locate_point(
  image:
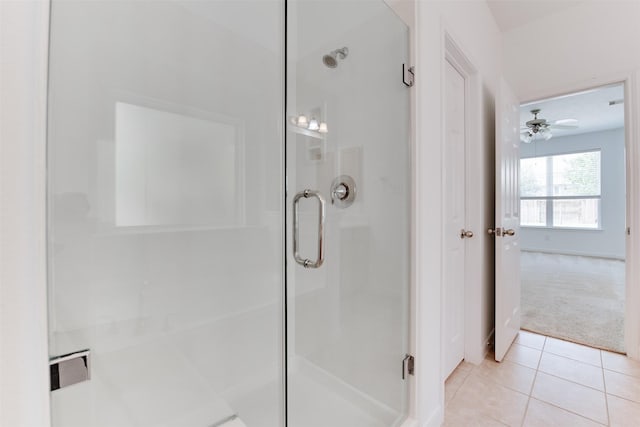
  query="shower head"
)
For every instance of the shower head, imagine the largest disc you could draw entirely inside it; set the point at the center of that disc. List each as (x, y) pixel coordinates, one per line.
(331, 59)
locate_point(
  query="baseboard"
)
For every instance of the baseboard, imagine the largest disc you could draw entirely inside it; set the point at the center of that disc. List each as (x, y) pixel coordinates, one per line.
(574, 253)
(480, 353)
(435, 419)
(410, 422)
(476, 352)
(476, 355)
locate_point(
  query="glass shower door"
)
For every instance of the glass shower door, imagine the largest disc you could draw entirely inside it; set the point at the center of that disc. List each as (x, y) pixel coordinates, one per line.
(165, 220)
(348, 172)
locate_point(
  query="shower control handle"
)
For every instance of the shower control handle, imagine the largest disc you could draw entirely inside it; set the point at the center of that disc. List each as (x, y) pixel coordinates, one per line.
(340, 192)
(307, 263)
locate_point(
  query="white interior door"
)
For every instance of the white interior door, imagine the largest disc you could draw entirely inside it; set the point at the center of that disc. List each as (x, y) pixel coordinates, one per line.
(454, 242)
(507, 232)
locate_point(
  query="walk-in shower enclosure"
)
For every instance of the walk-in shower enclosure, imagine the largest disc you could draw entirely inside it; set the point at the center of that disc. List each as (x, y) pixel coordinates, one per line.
(228, 213)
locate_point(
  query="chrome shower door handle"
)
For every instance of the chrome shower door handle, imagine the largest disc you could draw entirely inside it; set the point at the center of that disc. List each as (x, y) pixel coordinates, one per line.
(307, 263)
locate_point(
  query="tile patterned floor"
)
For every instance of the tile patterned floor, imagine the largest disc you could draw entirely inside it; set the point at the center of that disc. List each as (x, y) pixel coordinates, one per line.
(545, 382)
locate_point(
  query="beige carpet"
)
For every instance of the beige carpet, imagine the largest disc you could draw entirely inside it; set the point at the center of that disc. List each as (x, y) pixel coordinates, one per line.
(580, 299)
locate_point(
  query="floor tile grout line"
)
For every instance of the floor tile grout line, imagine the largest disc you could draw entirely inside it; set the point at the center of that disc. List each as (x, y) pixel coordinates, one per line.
(571, 381)
(526, 409)
(486, 375)
(533, 383)
(606, 397)
(635, 377)
(528, 346)
(626, 399)
(488, 378)
(574, 359)
(520, 363)
(567, 410)
(464, 379)
(492, 379)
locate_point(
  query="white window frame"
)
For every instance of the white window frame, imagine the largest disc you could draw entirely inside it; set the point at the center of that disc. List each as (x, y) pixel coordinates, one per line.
(550, 199)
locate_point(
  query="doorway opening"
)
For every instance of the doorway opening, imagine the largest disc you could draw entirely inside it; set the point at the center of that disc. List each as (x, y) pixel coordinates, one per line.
(573, 217)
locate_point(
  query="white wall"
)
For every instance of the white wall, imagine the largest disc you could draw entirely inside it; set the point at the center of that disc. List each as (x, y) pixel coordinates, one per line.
(609, 241)
(24, 399)
(472, 26)
(581, 44)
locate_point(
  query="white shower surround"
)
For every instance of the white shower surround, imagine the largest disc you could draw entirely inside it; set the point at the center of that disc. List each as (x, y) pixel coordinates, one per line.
(28, 343)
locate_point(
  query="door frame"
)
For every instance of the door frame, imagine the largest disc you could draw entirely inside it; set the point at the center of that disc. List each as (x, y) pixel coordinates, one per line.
(630, 80)
(474, 348)
(24, 367)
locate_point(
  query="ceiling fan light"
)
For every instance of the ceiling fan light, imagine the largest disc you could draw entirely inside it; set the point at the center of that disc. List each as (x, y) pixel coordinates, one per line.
(547, 135)
(526, 138)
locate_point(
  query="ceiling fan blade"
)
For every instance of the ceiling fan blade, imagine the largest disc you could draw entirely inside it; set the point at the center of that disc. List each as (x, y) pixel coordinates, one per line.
(558, 126)
(570, 122)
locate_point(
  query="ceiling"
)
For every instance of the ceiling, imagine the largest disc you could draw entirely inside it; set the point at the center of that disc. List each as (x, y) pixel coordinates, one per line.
(510, 14)
(591, 109)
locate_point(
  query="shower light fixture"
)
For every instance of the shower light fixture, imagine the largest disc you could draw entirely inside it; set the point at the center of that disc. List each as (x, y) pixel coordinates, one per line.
(313, 125)
(302, 121)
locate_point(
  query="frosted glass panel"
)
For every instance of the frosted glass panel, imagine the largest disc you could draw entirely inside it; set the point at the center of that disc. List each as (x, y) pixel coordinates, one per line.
(165, 211)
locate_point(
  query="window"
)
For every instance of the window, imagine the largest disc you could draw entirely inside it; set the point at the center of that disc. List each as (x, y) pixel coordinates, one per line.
(561, 190)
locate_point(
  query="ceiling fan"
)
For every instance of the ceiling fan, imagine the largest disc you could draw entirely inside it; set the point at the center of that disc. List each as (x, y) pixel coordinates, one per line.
(541, 128)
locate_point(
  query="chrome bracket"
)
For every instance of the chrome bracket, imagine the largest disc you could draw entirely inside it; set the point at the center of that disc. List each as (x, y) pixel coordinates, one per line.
(408, 75)
(69, 369)
(408, 366)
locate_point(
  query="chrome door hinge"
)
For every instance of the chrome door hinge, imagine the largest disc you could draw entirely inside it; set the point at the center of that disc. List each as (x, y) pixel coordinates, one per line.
(408, 75)
(408, 366)
(628, 231)
(70, 369)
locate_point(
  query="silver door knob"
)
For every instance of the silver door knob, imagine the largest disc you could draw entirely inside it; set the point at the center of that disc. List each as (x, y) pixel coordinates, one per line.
(510, 232)
(466, 233)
